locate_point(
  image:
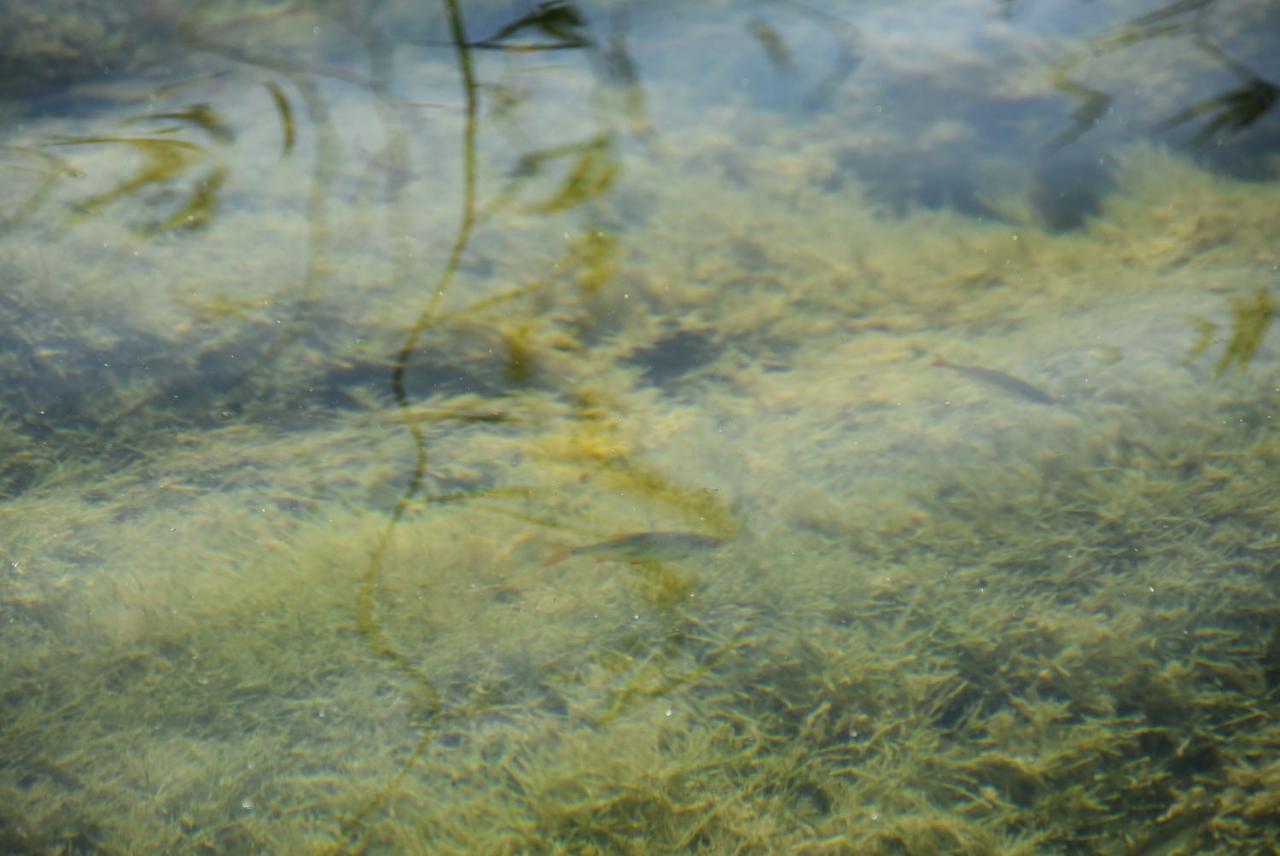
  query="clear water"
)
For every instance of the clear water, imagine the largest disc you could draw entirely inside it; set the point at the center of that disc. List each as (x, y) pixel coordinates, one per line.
(926, 350)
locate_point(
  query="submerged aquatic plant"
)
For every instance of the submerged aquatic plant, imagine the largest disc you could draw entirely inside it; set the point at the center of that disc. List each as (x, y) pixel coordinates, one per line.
(1251, 318)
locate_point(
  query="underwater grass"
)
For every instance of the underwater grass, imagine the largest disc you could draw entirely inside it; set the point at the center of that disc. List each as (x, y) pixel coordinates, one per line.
(966, 689)
(941, 625)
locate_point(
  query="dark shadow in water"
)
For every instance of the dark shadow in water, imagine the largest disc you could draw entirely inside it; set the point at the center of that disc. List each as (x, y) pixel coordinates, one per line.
(675, 355)
(1068, 188)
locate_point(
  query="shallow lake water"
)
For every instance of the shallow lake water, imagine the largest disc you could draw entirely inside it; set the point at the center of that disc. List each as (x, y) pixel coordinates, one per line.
(736, 427)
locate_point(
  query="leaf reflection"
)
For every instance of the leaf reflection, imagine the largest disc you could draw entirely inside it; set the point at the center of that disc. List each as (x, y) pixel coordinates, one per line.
(1229, 112)
(284, 110)
(202, 116)
(51, 172)
(591, 173)
(164, 162)
(557, 20)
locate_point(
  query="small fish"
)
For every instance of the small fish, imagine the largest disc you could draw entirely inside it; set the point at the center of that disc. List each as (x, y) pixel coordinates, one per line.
(388, 165)
(1009, 383)
(772, 42)
(640, 547)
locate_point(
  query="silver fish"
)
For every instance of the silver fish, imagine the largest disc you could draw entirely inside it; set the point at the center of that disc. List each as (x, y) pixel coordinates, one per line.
(640, 547)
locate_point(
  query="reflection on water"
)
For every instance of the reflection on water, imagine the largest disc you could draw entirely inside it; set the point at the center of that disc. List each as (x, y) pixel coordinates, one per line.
(478, 430)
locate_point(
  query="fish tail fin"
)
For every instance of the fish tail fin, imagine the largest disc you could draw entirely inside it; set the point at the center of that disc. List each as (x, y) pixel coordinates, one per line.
(558, 555)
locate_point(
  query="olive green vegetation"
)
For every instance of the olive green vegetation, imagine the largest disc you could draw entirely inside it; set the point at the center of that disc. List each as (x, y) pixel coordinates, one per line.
(1073, 652)
(252, 599)
(1064, 639)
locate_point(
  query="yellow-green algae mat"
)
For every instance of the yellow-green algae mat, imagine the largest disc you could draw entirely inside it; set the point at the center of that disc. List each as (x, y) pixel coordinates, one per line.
(1072, 651)
(944, 618)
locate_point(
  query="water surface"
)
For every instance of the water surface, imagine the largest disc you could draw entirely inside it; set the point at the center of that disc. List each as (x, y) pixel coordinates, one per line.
(344, 345)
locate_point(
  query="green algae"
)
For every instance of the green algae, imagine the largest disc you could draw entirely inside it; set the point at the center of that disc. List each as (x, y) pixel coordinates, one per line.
(271, 621)
(971, 688)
